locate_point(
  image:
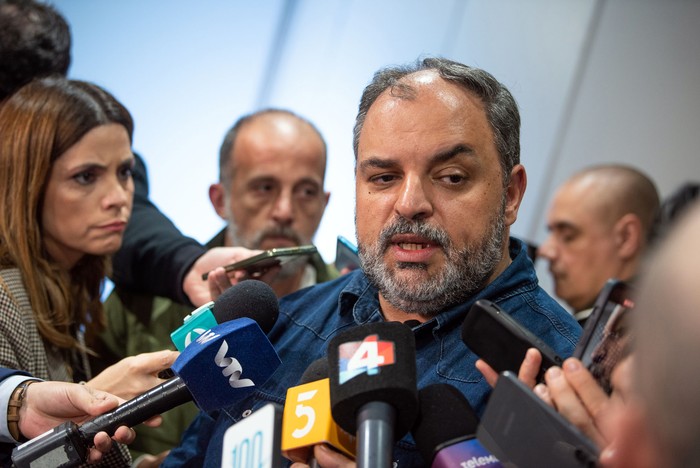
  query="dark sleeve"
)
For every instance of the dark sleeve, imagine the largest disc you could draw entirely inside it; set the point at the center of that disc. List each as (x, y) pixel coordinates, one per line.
(7, 372)
(155, 255)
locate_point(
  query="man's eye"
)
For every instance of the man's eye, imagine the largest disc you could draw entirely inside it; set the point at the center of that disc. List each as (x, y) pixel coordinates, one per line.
(453, 178)
(263, 188)
(126, 172)
(308, 192)
(382, 178)
(568, 237)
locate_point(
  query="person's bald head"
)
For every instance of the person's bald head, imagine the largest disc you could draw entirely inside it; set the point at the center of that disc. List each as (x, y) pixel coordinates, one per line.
(599, 223)
(616, 190)
(272, 167)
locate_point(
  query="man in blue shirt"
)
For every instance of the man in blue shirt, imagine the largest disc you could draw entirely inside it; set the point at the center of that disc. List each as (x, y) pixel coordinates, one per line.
(438, 184)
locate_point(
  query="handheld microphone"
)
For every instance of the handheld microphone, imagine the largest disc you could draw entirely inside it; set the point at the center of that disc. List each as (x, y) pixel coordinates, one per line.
(307, 414)
(219, 368)
(373, 387)
(250, 298)
(254, 440)
(445, 430)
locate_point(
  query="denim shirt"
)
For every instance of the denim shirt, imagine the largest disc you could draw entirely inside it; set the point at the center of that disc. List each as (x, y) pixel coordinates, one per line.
(311, 317)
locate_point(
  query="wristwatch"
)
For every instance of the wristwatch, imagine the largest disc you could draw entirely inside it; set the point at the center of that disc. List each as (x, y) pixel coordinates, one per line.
(13, 407)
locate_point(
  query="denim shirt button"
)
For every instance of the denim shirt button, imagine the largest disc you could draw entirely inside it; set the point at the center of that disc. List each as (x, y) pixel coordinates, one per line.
(247, 413)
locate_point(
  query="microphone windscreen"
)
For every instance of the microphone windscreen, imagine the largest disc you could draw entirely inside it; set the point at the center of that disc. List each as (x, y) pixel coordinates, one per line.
(444, 415)
(226, 363)
(373, 363)
(250, 298)
(317, 370)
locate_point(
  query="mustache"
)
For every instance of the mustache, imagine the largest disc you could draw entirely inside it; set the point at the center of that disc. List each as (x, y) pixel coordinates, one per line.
(277, 231)
(433, 234)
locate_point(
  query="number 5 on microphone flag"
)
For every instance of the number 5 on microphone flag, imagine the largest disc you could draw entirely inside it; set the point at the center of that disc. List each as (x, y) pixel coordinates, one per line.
(307, 419)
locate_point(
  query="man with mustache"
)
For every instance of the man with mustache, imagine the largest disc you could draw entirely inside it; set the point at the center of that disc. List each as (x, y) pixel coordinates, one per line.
(272, 166)
(438, 183)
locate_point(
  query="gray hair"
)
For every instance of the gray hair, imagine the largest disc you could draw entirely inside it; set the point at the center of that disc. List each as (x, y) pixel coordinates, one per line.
(501, 108)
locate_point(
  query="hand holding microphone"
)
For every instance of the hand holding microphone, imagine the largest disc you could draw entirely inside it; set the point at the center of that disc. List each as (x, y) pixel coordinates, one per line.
(47, 404)
(222, 366)
(134, 375)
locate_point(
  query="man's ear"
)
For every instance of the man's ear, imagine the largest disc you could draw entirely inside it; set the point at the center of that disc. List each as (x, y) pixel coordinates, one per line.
(514, 193)
(217, 195)
(628, 236)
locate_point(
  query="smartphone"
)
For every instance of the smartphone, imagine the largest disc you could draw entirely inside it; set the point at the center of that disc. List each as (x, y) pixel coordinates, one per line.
(346, 255)
(606, 339)
(502, 341)
(278, 256)
(522, 430)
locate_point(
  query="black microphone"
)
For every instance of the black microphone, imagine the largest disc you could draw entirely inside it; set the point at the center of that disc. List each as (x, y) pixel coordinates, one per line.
(317, 370)
(209, 371)
(445, 430)
(373, 387)
(235, 302)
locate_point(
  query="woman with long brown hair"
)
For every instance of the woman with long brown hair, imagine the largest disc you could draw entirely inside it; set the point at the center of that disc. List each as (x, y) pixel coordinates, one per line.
(65, 197)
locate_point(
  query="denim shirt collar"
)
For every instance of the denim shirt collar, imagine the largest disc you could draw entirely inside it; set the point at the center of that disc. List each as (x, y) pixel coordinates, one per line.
(360, 298)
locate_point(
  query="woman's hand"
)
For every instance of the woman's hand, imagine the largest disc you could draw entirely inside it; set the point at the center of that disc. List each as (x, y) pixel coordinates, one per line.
(134, 375)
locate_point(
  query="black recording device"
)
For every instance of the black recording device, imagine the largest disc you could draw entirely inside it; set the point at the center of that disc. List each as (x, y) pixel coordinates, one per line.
(501, 341)
(521, 430)
(68, 444)
(606, 339)
(258, 264)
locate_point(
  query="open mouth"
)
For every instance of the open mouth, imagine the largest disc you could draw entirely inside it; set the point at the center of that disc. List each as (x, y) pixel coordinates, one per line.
(412, 246)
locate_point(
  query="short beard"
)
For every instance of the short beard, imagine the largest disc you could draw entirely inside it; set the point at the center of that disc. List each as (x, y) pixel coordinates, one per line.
(466, 270)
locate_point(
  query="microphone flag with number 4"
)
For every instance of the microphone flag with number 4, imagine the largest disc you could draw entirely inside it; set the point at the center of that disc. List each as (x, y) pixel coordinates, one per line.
(373, 363)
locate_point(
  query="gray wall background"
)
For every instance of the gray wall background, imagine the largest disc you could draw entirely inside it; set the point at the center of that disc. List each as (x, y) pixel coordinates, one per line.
(596, 80)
